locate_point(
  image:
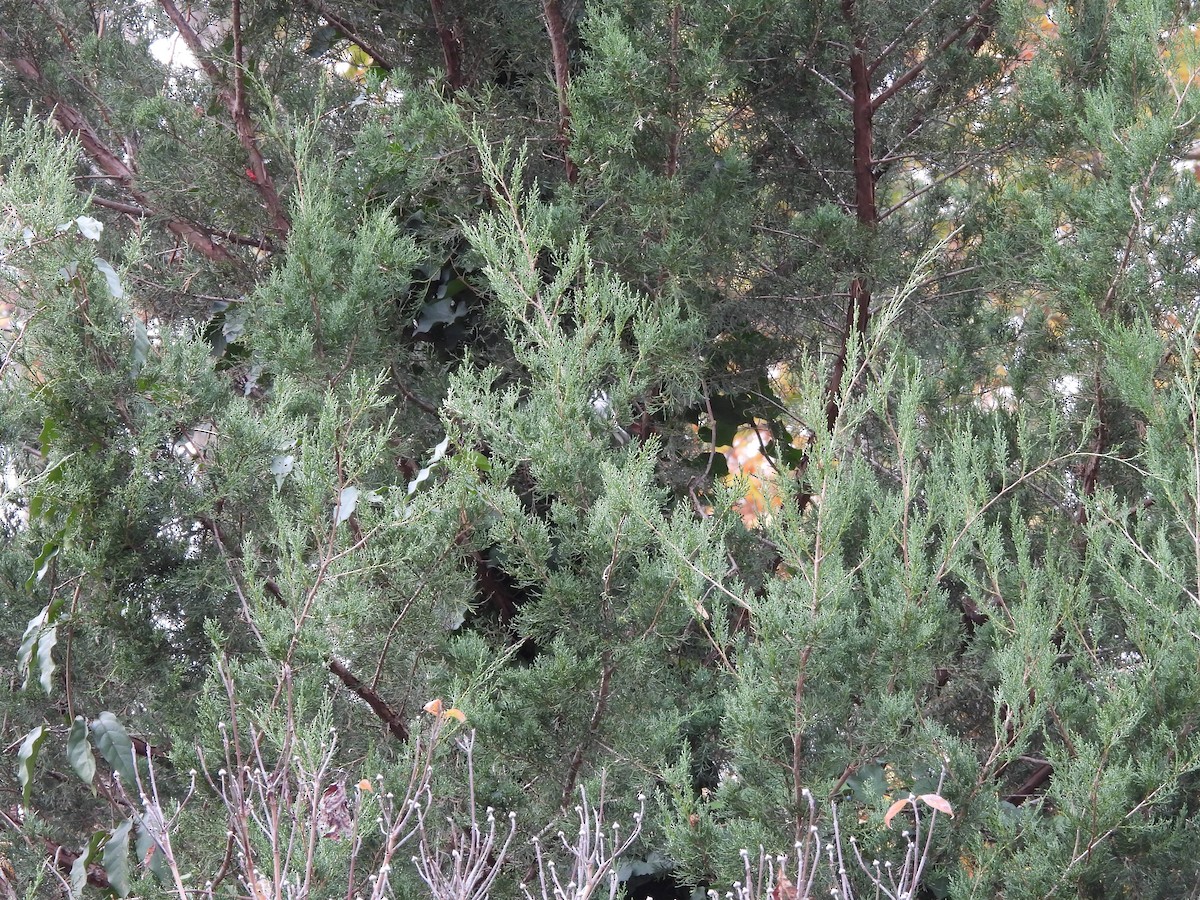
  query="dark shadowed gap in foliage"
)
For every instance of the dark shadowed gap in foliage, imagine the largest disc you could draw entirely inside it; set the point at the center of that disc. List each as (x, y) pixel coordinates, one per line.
(661, 887)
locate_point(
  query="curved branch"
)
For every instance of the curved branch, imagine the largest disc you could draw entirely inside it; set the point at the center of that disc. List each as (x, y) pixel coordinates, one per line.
(380, 57)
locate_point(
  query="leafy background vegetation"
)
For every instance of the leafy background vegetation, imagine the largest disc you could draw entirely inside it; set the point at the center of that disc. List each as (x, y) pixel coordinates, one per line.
(769, 428)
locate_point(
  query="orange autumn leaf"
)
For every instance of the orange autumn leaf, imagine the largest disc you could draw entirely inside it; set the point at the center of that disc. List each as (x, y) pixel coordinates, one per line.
(435, 707)
(938, 802)
(893, 809)
(365, 785)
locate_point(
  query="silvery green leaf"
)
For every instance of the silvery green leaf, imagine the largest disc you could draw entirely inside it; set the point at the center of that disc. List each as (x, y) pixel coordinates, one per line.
(111, 276)
(90, 228)
(438, 452)
(347, 501)
(27, 235)
(27, 759)
(281, 468)
(79, 751)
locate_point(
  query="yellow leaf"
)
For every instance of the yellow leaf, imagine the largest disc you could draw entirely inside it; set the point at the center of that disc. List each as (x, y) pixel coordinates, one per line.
(435, 707)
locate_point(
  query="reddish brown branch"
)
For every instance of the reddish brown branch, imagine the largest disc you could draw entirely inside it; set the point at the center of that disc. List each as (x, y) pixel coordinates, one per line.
(557, 29)
(858, 305)
(1039, 777)
(71, 121)
(233, 96)
(371, 697)
(142, 212)
(903, 80)
(451, 46)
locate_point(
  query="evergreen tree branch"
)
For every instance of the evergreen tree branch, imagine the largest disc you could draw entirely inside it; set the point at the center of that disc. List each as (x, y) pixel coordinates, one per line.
(903, 80)
(903, 36)
(371, 697)
(235, 102)
(673, 90)
(602, 695)
(110, 163)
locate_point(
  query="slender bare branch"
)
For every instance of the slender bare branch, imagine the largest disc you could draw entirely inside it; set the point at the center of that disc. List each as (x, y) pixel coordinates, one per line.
(902, 81)
(379, 56)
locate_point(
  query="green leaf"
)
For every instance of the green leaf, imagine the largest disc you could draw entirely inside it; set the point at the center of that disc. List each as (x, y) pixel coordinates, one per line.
(42, 563)
(116, 858)
(85, 858)
(111, 278)
(50, 431)
(40, 638)
(27, 760)
(150, 827)
(45, 657)
(29, 642)
(112, 740)
(141, 347)
(79, 751)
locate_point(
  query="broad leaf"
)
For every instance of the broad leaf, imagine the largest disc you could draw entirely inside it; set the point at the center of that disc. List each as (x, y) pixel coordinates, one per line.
(893, 810)
(90, 228)
(29, 644)
(116, 858)
(42, 563)
(111, 277)
(112, 740)
(79, 751)
(141, 347)
(27, 760)
(938, 802)
(38, 641)
(45, 657)
(86, 857)
(347, 502)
